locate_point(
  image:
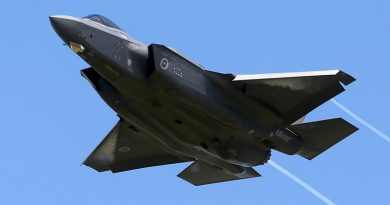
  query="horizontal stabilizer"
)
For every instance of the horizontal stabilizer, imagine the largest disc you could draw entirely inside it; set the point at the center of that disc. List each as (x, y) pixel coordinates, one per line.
(321, 135)
(201, 173)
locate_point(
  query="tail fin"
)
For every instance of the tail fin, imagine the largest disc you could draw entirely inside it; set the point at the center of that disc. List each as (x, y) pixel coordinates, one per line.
(321, 135)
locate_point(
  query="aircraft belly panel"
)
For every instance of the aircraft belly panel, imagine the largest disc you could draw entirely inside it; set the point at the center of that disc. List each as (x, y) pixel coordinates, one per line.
(201, 132)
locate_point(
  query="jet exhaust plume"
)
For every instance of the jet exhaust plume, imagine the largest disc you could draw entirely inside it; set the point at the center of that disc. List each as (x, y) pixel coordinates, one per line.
(359, 119)
(299, 181)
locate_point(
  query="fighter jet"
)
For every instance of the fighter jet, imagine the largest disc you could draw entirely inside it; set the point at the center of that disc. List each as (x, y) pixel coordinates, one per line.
(172, 110)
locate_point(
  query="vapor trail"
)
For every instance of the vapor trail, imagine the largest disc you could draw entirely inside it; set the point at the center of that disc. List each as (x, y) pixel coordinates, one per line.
(301, 182)
(365, 123)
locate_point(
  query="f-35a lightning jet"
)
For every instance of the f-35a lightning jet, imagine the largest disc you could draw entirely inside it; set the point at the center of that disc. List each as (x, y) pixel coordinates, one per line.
(172, 110)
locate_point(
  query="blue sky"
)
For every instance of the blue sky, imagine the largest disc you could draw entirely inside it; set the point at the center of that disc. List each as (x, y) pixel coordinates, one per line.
(51, 118)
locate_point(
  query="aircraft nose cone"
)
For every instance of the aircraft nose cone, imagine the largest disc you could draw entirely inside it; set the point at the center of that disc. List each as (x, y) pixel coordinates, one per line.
(59, 23)
(54, 20)
(65, 26)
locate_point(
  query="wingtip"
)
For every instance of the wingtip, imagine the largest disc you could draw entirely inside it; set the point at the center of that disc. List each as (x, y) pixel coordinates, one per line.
(96, 167)
(345, 78)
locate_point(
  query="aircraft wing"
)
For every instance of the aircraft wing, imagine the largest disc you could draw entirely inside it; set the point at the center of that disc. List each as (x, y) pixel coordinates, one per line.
(293, 95)
(126, 148)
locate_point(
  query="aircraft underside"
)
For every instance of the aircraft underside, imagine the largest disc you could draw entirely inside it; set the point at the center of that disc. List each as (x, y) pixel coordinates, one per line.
(173, 110)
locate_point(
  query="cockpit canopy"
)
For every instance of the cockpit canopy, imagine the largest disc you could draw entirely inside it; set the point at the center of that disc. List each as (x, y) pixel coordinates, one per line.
(103, 20)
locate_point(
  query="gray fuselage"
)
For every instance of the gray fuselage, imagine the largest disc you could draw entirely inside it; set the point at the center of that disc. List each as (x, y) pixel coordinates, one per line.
(187, 110)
